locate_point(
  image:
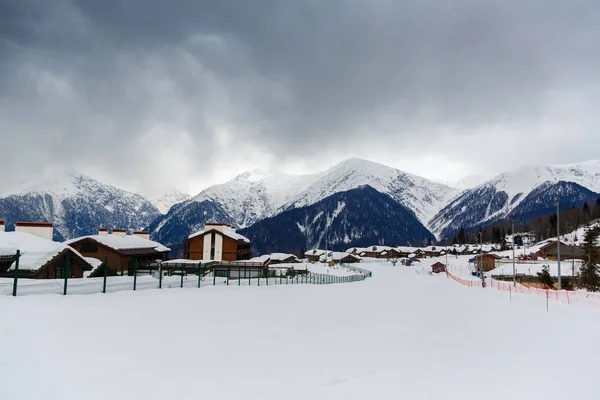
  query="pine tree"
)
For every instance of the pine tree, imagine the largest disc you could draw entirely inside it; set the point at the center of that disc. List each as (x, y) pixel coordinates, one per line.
(428, 241)
(545, 278)
(462, 237)
(589, 273)
(586, 212)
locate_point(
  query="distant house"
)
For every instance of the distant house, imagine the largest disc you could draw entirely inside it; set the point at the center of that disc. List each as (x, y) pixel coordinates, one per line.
(314, 255)
(120, 249)
(433, 251)
(438, 267)
(282, 258)
(550, 250)
(217, 242)
(488, 261)
(341, 258)
(40, 258)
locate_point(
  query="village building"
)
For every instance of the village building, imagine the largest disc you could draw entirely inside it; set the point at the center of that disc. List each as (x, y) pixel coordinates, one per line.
(283, 258)
(335, 257)
(314, 255)
(217, 242)
(2, 226)
(487, 261)
(120, 250)
(39, 257)
(438, 267)
(550, 250)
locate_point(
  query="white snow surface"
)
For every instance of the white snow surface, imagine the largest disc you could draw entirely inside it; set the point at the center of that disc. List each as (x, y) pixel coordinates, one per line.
(166, 200)
(230, 234)
(398, 334)
(126, 242)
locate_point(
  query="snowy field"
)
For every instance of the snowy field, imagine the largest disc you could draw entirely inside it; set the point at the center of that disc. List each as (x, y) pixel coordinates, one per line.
(398, 335)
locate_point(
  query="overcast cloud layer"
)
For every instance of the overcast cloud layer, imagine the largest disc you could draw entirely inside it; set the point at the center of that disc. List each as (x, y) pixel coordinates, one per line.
(150, 94)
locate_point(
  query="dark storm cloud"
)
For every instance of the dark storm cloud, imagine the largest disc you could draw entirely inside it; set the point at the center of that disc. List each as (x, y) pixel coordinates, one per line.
(117, 85)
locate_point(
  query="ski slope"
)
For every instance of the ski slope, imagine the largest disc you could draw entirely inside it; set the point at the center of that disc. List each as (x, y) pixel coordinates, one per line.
(396, 335)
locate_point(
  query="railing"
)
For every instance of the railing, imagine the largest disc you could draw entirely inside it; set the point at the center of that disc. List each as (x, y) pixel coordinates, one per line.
(185, 280)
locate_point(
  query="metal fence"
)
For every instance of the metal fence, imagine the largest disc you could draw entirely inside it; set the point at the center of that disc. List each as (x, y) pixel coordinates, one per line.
(190, 276)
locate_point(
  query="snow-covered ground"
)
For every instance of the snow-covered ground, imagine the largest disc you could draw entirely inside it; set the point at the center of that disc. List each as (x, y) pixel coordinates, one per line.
(396, 335)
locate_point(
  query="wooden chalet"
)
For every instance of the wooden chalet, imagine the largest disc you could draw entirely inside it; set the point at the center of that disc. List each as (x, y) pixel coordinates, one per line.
(567, 252)
(314, 255)
(39, 258)
(217, 242)
(438, 267)
(119, 250)
(488, 261)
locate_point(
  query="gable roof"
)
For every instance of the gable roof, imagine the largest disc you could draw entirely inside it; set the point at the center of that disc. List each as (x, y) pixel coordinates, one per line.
(35, 251)
(230, 234)
(120, 243)
(281, 256)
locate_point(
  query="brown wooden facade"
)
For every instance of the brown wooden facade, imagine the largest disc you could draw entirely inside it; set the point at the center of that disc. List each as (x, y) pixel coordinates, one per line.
(119, 261)
(232, 250)
(438, 267)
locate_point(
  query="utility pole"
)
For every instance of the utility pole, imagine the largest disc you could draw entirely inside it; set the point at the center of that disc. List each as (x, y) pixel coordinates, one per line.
(513, 249)
(481, 259)
(558, 239)
(446, 257)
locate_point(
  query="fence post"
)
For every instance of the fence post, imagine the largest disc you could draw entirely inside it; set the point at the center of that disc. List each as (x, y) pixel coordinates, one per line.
(267, 272)
(280, 278)
(546, 300)
(214, 276)
(15, 282)
(67, 265)
(182, 272)
(135, 266)
(249, 281)
(239, 276)
(228, 273)
(160, 273)
(200, 274)
(105, 271)
(259, 279)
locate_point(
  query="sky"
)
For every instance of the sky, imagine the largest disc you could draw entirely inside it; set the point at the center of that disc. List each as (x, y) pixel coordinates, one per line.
(150, 95)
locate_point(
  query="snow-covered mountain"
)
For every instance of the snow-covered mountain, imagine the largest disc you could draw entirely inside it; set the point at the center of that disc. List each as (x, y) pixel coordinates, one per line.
(359, 217)
(165, 201)
(255, 195)
(422, 196)
(467, 182)
(76, 204)
(526, 191)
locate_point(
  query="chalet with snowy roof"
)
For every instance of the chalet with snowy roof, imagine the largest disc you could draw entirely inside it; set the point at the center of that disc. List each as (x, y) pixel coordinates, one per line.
(550, 250)
(40, 258)
(335, 257)
(438, 267)
(314, 255)
(119, 249)
(2, 226)
(217, 242)
(283, 258)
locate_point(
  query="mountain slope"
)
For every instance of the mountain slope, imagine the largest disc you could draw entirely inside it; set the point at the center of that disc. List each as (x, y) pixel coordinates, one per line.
(358, 217)
(422, 196)
(528, 190)
(77, 205)
(168, 199)
(255, 195)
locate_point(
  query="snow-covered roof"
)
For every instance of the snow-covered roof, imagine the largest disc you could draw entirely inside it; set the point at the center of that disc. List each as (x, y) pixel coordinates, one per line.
(314, 252)
(127, 242)
(35, 251)
(337, 256)
(281, 256)
(407, 249)
(230, 234)
(94, 262)
(261, 259)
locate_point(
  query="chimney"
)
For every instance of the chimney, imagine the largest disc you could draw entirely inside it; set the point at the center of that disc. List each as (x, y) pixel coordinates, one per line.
(142, 234)
(40, 229)
(1, 225)
(103, 232)
(119, 232)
